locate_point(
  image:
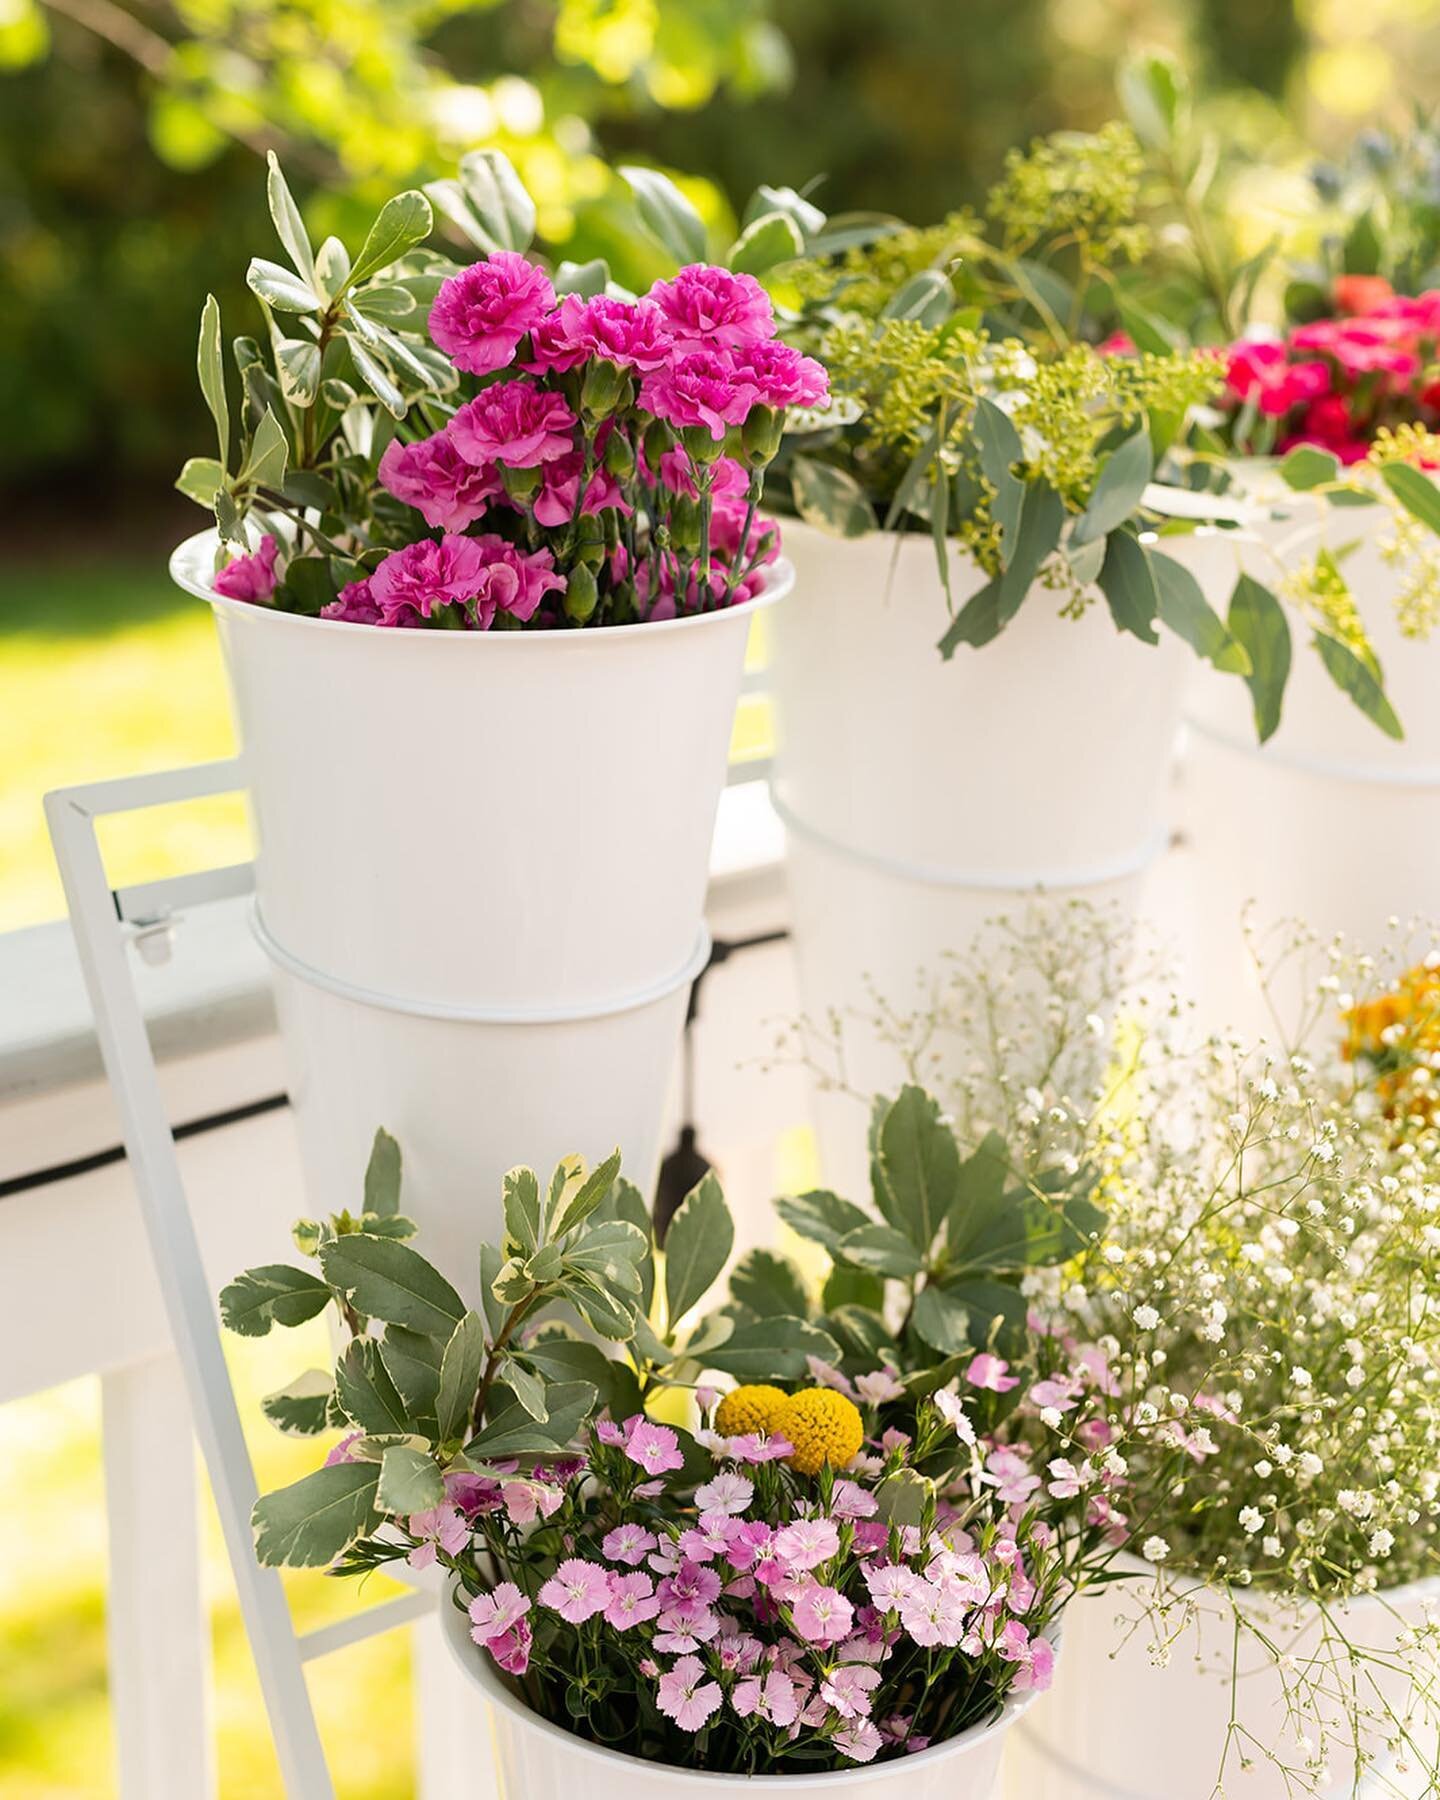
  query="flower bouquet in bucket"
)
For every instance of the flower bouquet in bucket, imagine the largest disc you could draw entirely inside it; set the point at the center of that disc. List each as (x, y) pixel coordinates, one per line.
(466, 499)
(781, 1537)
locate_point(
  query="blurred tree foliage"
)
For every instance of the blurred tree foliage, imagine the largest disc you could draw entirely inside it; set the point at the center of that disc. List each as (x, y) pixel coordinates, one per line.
(130, 184)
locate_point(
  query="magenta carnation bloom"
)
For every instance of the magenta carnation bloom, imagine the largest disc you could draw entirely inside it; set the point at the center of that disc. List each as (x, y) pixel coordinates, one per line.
(633, 334)
(780, 376)
(250, 577)
(516, 423)
(481, 314)
(432, 476)
(483, 575)
(708, 307)
(355, 605)
(701, 388)
(555, 503)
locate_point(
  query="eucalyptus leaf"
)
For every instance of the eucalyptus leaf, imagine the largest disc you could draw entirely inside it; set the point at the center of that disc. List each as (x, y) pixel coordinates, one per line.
(1183, 608)
(1352, 677)
(1123, 480)
(1257, 622)
(1415, 491)
(1307, 467)
(1128, 584)
(830, 499)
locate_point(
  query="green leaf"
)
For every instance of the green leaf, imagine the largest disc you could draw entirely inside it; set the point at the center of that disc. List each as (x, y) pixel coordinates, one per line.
(666, 214)
(697, 1247)
(460, 1376)
(412, 1359)
(822, 1217)
(289, 226)
(861, 1331)
(1150, 330)
(401, 224)
(499, 199)
(210, 363)
(385, 1279)
(301, 1409)
(410, 1481)
(521, 1189)
(588, 1196)
(297, 364)
(1000, 449)
(308, 1524)
(765, 243)
(273, 1294)
(979, 1192)
(1185, 610)
(1117, 493)
(388, 304)
(1306, 467)
(281, 287)
(602, 1310)
(1128, 584)
(376, 377)
(941, 1321)
(364, 1388)
(512, 1431)
(985, 615)
(1154, 96)
(1257, 622)
(382, 1176)
(611, 1253)
(804, 214)
(586, 279)
(926, 298)
(882, 1250)
(772, 1350)
(200, 478)
(624, 1202)
(919, 1169)
(527, 1388)
(268, 454)
(829, 498)
(332, 268)
(768, 1283)
(1352, 677)
(998, 1314)
(1415, 491)
(559, 1358)
(846, 1288)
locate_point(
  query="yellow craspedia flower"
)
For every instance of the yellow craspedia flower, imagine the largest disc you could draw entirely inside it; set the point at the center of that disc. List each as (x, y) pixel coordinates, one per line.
(748, 1409)
(823, 1426)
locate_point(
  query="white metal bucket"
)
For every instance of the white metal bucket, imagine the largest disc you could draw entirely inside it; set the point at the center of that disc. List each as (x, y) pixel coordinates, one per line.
(481, 870)
(1115, 1726)
(1330, 821)
(536, 1760)
(924, 797)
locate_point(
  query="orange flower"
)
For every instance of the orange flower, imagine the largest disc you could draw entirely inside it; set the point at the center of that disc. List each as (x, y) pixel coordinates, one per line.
(1356, 295)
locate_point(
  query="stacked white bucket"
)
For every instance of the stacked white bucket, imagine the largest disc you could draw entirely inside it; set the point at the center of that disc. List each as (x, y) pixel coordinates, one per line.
(481, 871)
(1330, 820)
(924, 797)
(1121, 1725)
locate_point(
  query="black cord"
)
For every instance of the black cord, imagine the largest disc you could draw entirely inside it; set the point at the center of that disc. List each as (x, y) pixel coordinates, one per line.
(102, 1159)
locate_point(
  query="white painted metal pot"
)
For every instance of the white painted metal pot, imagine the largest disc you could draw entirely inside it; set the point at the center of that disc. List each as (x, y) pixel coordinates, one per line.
(1117, 1726)
(536, 1760)
(923, 797)
(1330, 821)
(481, 872)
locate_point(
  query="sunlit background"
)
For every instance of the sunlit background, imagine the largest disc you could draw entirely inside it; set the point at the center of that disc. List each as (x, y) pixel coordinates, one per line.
(131, 133)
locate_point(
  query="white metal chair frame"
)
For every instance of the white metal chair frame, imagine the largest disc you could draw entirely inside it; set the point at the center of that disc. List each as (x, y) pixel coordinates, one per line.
(106, 922)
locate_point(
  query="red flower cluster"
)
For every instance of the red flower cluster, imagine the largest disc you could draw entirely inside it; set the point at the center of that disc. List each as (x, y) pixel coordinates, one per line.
(1335, 382)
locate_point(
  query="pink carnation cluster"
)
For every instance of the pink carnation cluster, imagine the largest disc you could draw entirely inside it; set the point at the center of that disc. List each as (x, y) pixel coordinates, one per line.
(1336, 381)
(467, 579)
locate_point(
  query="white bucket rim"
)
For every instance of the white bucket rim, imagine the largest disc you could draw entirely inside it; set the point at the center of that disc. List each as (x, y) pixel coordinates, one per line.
(475, 1663)
(191, 559)
(460, 1013)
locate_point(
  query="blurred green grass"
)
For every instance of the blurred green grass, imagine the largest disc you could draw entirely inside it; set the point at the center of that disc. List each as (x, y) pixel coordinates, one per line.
(55, 1731)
